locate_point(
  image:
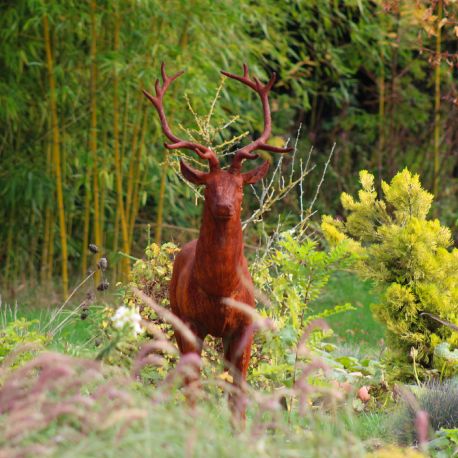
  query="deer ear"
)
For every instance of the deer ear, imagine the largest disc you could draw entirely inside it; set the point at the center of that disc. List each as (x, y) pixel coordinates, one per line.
(193, 175)
(253, 176)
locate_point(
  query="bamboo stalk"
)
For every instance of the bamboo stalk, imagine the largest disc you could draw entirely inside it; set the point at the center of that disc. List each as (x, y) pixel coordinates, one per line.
(160, 204)
(137, 181)
(50, 269)
(56, 155)
(44, 252)
(120, 214)
(87, 217)
(124, 128)
(9, 247)
(130, 177)
(93, 134)
(115, 248)
(136, 205)
(437, 103)
(103, 189)
(32, 251)
(63, 154)
(124, 268)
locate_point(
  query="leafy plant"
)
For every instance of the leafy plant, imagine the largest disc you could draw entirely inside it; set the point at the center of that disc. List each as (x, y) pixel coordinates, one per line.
(446, 360)
(444, 444)
(292, 275)
(21, 333)
(150, 275)
(409, 255)
(349, 367)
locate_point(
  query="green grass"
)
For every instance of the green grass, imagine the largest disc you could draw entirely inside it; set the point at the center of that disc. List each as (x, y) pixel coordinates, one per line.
(357, 327)
(74, 334)
(207, 433)
(370, 426)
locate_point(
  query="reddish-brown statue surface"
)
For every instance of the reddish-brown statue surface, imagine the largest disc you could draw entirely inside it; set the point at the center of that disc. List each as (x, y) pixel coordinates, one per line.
(213, 267)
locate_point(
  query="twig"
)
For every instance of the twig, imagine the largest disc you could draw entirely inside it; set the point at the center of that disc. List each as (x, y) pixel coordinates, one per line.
(322, 178)
(53, 317)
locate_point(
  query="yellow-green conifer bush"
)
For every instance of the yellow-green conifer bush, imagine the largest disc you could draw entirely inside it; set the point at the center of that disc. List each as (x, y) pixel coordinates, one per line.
(414, 259)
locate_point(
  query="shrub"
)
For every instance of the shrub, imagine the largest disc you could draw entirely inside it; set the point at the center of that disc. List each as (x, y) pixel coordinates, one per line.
(150, 275)
(409, 255)
(293, 274)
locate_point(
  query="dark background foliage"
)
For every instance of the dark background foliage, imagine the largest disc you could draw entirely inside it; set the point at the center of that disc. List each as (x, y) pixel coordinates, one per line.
(376, 78)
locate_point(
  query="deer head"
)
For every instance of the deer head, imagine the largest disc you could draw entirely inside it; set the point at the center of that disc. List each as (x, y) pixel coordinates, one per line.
(223, 188)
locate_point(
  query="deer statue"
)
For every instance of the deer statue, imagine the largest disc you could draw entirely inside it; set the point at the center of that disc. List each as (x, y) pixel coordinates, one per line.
(213, 268)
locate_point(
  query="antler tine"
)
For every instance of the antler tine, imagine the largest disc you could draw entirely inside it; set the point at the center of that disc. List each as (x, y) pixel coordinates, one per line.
(202, 151)
(245, 70)
(260, 144)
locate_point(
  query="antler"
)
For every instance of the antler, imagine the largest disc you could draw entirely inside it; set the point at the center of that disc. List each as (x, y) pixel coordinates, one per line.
(202, 151)
(261, 143)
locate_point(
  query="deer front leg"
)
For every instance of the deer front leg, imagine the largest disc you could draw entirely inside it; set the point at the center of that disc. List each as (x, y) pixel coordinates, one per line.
(237, 356)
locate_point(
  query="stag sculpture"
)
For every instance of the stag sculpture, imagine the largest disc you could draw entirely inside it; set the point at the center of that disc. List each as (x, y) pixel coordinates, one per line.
(213, 268)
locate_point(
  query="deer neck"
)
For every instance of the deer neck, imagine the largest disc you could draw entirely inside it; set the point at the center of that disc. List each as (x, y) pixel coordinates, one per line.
(219, 254)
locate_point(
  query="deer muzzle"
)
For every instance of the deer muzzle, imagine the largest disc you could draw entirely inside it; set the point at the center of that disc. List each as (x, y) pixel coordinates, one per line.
(224, 211)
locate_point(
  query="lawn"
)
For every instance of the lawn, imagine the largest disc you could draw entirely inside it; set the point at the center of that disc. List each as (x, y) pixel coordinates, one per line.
(357, 327)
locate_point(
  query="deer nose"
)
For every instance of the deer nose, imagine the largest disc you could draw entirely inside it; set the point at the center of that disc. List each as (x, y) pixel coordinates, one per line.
(224, 209)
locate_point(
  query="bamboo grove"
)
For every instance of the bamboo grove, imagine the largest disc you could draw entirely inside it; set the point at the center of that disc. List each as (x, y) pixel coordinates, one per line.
(81, 159)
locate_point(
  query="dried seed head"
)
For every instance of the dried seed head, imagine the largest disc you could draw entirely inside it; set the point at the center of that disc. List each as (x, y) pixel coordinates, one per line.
(103, 286)
(103, 263)
(93, 248)
(90, 297)
(84, 315)
(97, 342)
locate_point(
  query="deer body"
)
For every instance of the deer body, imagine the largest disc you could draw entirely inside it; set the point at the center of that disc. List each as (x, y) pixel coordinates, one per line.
(213, 268)
(200, 282)
(196, 303)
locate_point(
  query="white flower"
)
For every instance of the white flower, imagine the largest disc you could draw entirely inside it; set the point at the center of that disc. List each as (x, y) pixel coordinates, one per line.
(127, 317)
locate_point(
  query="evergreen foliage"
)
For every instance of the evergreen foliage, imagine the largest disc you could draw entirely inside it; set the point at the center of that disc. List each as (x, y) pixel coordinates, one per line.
(412, 257)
